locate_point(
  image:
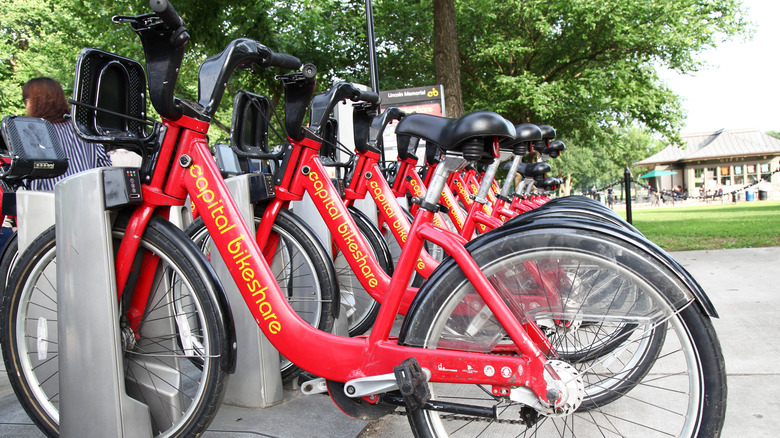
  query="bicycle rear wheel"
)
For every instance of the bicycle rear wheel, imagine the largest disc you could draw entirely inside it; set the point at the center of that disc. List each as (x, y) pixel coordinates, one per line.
(631, 388)
(179, 335)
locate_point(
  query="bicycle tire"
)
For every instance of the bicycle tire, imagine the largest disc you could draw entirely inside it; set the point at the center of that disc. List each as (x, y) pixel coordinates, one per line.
(8, 260)
(361, 308)
(690, 361)
(33, 372)
(299, 257)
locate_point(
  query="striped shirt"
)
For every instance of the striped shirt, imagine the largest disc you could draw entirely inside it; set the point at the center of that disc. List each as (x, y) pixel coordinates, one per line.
(81, 156)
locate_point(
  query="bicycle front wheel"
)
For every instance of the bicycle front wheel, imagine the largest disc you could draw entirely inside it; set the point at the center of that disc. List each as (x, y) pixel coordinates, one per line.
(648, 356)
(178, 336)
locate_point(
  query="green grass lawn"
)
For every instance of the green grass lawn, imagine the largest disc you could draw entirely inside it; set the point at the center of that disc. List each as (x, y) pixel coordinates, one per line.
(716, 226)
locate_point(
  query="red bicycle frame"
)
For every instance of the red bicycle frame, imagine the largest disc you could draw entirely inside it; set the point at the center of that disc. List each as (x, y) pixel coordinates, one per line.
(194, 173)
(368, 179)
(307, 174)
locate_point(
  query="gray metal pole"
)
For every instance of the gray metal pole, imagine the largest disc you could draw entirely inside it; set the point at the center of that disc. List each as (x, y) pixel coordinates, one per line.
(627, 185)
(372, 65)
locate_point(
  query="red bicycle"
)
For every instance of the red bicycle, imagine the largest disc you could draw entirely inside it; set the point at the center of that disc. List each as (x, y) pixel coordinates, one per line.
(464, 338)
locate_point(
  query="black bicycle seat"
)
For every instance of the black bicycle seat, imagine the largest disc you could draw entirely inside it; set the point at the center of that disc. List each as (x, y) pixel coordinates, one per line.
(470, 134)
(524, 133)
(533, 170)
(548, 134)
(555, 148)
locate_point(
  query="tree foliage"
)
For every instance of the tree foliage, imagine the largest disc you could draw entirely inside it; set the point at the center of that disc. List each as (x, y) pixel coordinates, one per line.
(587, 68)
(600, 165)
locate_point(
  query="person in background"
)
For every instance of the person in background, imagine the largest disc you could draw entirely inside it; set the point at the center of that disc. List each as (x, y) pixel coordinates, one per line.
(44, 98)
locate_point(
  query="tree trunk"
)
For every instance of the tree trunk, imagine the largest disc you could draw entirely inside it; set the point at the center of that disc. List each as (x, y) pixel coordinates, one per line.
(446, 57)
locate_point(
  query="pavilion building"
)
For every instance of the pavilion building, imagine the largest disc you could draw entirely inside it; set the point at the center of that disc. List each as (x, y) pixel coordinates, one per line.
(727, 160)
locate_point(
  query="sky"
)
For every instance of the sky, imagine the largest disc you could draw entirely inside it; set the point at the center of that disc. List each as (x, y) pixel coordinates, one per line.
(740, 85)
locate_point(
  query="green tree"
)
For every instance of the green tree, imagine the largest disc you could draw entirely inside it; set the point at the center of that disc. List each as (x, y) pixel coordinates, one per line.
(588, 165)
(583, 65)
(578, 65)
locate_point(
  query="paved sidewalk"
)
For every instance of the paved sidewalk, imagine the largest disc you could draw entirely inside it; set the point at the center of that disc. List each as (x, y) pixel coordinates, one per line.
(742, 283)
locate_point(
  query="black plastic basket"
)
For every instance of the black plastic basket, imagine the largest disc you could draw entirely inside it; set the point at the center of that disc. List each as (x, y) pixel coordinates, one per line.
(249, 127)
(109, 99)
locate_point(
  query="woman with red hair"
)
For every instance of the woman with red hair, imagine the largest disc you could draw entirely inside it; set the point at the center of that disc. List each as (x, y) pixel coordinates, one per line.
(44, 98)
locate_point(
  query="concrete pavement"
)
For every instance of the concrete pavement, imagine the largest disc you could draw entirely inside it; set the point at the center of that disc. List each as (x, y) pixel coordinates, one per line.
(742, 283)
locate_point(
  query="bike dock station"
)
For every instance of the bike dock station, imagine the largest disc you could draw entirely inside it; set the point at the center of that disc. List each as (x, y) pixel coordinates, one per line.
(35, 213)
(90, 347)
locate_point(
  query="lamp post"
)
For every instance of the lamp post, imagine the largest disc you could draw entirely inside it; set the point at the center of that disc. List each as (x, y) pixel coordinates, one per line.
(627, 185)
(372, 66)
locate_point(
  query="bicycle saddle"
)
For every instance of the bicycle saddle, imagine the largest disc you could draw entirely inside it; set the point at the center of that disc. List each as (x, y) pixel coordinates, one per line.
(470, 135)
(555, 148)
(533, 170)
(548, 133)
(524, 133)
(550, 183)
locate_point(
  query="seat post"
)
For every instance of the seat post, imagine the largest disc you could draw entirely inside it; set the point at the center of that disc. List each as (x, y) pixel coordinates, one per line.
(510, 176)
(487, 182)
(450, 163)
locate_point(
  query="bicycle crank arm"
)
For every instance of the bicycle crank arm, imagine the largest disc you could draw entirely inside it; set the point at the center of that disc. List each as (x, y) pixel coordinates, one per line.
(451, 408)
(314, 386)
(371, 385)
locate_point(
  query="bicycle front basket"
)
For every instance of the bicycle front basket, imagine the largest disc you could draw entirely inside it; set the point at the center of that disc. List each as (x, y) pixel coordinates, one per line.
(249, 127)
(109, 99)
(34, 149)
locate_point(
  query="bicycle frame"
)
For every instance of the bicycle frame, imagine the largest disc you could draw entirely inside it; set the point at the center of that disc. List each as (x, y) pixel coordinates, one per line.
(308, 175)
(194, 173)
(305, 173)
(368, 179)
(408, 182)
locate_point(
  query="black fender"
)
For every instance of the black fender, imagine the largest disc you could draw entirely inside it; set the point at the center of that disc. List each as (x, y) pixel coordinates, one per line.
(213, 286)
(623, 234)
(574, 224)
(583, 211)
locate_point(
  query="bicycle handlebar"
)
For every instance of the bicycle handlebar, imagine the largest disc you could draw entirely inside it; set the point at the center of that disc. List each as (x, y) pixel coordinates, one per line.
(216, 70)
(366, 96)
(167, 13)
(324, 103)
(164, 41)
(283, 60)
(164, 9)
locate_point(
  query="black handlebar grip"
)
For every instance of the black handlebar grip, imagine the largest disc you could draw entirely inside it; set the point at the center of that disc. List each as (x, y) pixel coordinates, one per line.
(368, 96)
(167, 13)
(285, 61)
(309, 71)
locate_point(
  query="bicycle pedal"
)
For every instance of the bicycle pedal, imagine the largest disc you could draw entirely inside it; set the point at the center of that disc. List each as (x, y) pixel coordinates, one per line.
(412, 384)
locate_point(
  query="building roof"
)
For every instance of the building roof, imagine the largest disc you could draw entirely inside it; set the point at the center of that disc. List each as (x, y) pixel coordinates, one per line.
(718, 144)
